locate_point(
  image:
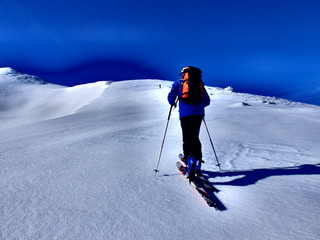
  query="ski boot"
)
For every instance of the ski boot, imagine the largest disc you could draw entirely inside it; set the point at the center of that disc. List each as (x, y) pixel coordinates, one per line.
(197, 171)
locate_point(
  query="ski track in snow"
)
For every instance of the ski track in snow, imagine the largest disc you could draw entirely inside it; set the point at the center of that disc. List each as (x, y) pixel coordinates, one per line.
(87, 174)
(265, 154)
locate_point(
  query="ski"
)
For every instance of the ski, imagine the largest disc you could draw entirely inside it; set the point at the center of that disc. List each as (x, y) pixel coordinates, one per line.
(199, 178)
(199, 186)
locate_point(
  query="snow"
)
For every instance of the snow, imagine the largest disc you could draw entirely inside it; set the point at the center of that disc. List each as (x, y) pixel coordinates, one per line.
(77, 163)
(5, 70)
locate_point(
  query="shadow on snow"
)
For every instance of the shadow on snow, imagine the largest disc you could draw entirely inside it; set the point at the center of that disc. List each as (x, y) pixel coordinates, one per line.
(249, 177)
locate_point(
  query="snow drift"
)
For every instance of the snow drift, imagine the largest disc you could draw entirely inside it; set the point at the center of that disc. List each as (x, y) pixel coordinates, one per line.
(25, 98)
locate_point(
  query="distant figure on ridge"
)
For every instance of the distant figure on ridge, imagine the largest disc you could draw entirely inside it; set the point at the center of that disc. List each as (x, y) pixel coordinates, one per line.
(193, 98)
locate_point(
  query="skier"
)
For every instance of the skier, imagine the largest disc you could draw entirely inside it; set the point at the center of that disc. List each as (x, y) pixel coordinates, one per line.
(193, 98)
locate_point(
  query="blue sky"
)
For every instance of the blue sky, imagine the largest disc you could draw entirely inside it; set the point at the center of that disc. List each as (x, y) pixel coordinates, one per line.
(264, 47)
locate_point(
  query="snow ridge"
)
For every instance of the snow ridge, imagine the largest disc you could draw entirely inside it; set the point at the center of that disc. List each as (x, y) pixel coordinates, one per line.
(25, 98)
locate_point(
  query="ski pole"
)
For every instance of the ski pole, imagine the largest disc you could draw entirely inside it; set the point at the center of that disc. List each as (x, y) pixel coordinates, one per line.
(218, 164)
(165, 133)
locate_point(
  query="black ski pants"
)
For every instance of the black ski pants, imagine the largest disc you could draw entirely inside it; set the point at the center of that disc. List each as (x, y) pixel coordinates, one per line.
(190, 135)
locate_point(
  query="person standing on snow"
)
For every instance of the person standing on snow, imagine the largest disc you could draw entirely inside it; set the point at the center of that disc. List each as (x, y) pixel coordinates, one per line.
(193, 98)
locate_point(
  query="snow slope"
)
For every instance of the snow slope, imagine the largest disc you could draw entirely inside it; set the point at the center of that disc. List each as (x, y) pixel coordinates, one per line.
(77, 163)
(25, 98)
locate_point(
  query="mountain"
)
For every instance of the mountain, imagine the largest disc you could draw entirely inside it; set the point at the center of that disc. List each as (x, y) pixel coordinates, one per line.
(87, 172)
(10, 75)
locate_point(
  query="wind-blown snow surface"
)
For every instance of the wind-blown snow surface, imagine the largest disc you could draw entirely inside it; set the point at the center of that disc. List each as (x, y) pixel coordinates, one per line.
(25, 98)
(77, 163)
